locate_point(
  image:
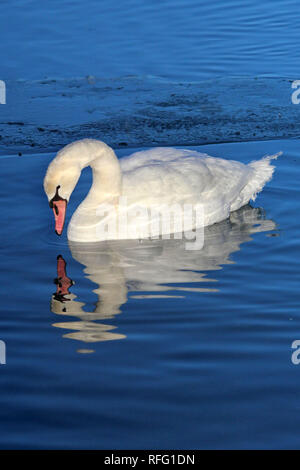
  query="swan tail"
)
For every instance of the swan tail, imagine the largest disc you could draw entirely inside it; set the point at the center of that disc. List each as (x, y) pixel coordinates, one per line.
(263, 172)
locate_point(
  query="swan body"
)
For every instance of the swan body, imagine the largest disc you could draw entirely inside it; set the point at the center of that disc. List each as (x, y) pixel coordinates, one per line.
(148, 180)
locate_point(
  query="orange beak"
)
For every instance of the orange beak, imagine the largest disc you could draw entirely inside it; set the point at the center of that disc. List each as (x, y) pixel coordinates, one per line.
(59, 210)
(59, 206)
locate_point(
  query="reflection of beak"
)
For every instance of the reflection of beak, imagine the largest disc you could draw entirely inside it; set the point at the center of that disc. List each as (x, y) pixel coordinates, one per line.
(59, 210)
(63, 282)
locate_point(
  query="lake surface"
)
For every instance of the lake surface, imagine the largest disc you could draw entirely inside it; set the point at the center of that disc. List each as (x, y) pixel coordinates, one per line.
(144, 344)
(176, 40)
(153, 346)
(144, 73)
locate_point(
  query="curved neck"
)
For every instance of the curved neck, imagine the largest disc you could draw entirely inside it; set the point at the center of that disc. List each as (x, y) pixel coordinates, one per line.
(107, 176)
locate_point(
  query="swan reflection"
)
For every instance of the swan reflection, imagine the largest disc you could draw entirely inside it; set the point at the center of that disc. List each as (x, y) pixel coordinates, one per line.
(147, 269)
(63, 303)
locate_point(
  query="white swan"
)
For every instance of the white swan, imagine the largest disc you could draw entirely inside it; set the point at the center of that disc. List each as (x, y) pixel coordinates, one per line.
(147, 179)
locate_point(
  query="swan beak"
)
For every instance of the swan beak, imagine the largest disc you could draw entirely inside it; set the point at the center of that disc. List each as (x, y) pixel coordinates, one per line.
(59, 210)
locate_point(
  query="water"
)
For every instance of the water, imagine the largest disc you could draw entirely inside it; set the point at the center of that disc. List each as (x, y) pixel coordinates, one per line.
(156, 347)
(144, 73)
(151, 346)
(177, 40)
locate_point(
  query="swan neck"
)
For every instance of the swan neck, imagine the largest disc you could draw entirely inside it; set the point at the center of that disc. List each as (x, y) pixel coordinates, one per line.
(107, 177)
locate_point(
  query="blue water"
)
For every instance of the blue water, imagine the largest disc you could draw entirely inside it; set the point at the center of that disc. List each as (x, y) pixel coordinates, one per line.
(156, 347)
(151, 346)
(178, 40)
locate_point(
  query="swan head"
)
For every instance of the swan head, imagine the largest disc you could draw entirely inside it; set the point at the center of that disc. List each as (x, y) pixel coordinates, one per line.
(59, 183)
